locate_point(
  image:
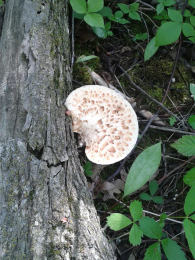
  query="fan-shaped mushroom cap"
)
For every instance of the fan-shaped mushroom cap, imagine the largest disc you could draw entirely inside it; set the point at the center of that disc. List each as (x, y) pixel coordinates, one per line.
(106, 122)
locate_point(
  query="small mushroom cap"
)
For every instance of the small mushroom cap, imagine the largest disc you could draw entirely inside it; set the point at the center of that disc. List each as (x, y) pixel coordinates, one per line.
(106, 122)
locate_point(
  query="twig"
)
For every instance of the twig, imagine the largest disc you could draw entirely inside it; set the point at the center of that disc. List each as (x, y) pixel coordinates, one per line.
(157, 215)
(174, 170)
(174, 130)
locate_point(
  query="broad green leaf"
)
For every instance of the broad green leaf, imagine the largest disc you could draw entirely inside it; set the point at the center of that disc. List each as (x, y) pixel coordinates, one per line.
(191, 121)
(106, 11)
(122, 21)
(79, 6)
(189, 204)
(151, 49)
(1, 2)
(191, 3)
(175, 15)
(169, 2)
(136, 210)
(172, 120)
(185, 145)
(188, 30)
(135, 235)
(150, 227)
(134, 7)
(168, 33)
(192, 90)
(189, 177)
(189, 229)
(159, 8)
(100, 32)
(153, 187)
(142, 169)
(187, 13)
(94, 20)
(192, 20)
(84, 58)
(158, 199)
(145, 196)
(172, 250)
(134, 15)
(153, 252)
(124, 8)
(94, 6)
(117, 221)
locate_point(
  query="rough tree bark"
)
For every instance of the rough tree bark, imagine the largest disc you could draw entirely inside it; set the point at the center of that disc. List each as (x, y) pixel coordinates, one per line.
(41, 179)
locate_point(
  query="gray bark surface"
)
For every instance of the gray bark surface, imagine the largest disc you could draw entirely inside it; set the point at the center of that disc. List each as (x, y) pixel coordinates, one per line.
(41, 179)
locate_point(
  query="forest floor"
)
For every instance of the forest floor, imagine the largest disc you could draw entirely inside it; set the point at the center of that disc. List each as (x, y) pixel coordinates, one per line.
(120, 62)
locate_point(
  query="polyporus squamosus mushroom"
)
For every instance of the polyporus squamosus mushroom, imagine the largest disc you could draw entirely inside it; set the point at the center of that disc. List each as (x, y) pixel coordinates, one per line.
(106, 122)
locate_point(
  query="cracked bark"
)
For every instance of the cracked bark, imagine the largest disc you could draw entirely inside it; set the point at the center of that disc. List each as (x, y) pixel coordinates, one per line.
(41, 180)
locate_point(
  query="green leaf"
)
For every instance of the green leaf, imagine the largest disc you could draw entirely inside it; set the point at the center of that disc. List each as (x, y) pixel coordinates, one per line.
(169, 2)
(189, 229)
(191, 3)
(106, 11)
(79, 6)
(159, 8)
(172, 120)
(151, 49)
(117, 221)
(1, 2)
(100, 32)
(88, 165)
(84, 58)
(168, 33)
(153, 187)
(189, 204)
(135, 235)
(192, 217)
(192, 39)
(134, 7)
(172, 250)
(142, 169)
(163, 216)
(94, 6)
(189, 177)
(192, 90)
(94, 20)
(185, 145)
(141, 36)
(118, 14)
(191, 121)
(150, 227)
(145, 196)
(158, 199)
(175, 15)
(153, 252)
(188, 30)
(136, 210)
(192, 20)
(124, 8)
(187, 13)
(134, 15)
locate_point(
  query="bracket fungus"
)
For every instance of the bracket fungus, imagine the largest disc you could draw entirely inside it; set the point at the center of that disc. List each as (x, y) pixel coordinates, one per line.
(106, 122)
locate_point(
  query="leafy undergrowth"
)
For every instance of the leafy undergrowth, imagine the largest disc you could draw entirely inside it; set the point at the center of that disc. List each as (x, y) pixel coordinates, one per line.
(149, 206)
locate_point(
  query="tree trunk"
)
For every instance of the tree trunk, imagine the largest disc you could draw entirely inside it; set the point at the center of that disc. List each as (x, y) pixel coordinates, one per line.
(46, 210)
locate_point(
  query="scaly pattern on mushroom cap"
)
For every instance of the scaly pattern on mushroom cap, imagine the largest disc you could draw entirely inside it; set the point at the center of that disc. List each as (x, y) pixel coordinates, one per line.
(106, 122)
